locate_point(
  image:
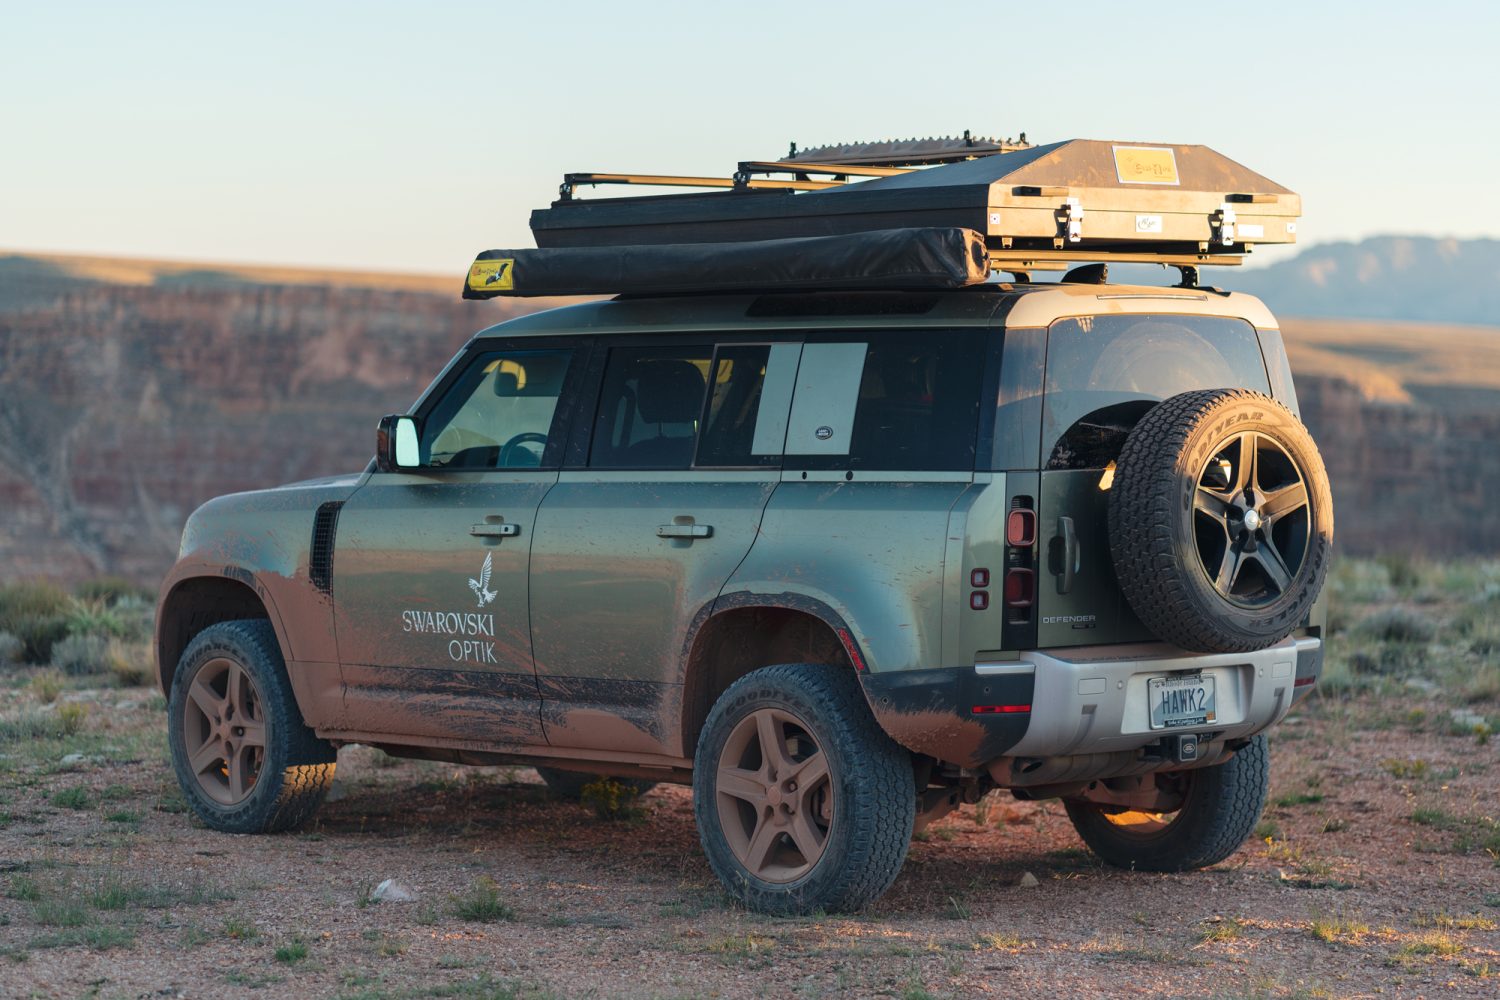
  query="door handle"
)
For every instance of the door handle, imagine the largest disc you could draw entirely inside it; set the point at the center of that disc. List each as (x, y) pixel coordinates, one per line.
(501, 530)
(1072, 558)
(684, 531)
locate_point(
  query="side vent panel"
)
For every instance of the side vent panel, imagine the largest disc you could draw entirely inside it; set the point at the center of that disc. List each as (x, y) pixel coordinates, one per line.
(320, 557)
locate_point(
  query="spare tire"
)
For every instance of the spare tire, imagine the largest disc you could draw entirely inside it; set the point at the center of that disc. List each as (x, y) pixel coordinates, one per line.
(1220, 521)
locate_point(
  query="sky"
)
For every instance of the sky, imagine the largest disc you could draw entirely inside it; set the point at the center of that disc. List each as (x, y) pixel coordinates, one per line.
(408, 136)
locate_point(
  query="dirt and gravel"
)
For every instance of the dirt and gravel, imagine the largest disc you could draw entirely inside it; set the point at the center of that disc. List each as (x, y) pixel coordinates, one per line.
(1376, 872)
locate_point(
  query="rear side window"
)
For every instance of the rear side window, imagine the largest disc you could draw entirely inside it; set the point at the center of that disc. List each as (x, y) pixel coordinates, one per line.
(650, 407)
(1104, 372)
(731, 426)
(906, 401)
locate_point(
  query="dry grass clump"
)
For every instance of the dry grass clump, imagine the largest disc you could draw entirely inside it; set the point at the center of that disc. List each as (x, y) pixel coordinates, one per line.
(1339, 929)
(481, 903)
(1399, 624)
(103, 629)
(36, 615)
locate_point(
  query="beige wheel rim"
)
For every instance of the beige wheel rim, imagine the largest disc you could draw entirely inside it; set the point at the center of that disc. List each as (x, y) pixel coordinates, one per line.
(224, 731)
(1140, 821)
(774, 796)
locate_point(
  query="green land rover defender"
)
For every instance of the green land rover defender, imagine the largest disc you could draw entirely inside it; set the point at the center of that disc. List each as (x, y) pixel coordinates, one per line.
(815, 514)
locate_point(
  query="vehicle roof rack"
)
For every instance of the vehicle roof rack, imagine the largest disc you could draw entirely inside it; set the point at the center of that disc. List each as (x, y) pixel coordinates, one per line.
(838, 162)
(1024, 207)
(907, 152)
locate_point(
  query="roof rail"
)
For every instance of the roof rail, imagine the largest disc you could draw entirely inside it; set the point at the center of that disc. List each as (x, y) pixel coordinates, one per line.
(908, 152)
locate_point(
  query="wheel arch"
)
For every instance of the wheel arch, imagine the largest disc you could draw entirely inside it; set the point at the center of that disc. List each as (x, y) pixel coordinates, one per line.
(744, 632)
(193, 603)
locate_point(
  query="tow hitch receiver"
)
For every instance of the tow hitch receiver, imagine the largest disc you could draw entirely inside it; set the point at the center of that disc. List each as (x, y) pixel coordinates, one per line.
(1183, 749)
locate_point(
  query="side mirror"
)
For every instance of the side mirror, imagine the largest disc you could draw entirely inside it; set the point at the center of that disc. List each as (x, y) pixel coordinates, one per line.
(396, 444)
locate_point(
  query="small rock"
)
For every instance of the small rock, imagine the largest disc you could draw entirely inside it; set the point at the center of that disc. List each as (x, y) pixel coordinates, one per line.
(391, 891)
(1028, 881)
(73, 758)
(1421, 684)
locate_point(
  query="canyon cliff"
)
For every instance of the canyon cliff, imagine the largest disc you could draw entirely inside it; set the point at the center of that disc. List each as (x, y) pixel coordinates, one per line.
(127, 401)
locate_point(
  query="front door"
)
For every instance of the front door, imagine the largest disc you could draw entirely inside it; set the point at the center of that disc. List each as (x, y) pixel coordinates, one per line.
(683, 454)
(430, 565)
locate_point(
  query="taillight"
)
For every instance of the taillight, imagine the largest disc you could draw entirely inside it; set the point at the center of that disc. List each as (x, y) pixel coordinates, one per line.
(1000, 709)
(1020, 528)
(1020, 588)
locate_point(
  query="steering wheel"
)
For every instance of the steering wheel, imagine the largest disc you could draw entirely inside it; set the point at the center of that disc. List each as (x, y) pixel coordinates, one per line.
(509, 447)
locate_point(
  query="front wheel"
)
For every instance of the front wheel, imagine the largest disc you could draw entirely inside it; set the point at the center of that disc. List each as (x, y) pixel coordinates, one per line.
(244, 758)
(802, 802)
(1220, 807)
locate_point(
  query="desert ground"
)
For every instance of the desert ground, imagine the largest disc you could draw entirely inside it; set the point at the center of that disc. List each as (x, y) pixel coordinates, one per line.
(1375, 870)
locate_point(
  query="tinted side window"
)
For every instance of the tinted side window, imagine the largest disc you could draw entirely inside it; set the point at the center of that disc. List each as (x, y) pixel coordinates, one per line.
(1104, 372)
(499, 413)
(734, 400)
(1273, 349)
(649, 407)
(916, 408)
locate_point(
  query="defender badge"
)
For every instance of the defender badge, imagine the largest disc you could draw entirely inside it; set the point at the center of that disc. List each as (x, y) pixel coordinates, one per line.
(481, 585)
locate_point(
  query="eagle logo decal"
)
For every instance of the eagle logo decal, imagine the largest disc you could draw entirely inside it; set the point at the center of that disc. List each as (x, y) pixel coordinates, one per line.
(481, 586)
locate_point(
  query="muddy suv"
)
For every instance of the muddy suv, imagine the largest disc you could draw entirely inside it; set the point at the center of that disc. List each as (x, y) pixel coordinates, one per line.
(840, 560)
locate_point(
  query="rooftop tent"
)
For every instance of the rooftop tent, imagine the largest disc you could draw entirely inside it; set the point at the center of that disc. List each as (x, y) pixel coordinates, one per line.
(901, 214)
(1078, 195)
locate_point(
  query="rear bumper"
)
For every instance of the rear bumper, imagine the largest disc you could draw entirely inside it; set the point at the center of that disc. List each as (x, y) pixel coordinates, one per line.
(1082, 702)
(1093, 700)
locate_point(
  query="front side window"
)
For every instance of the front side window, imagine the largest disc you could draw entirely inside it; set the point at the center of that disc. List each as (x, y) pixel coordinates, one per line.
(499, 413)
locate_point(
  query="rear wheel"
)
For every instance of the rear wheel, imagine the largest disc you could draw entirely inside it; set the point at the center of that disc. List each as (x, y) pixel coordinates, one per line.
(244, 758)
(1220, 807)
(803, 803)
(569, 784)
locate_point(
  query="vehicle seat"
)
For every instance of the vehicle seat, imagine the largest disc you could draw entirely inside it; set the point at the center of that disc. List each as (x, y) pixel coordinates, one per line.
(669, 394)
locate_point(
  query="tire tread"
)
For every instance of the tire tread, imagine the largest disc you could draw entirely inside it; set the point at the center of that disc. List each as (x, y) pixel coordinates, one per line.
(1221, 812)
(308, 763)
(883, 806)
(1143, 541)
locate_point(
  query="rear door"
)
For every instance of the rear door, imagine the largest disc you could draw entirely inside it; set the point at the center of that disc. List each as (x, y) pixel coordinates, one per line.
(430, 565)
(1102, 374)
(636, 541)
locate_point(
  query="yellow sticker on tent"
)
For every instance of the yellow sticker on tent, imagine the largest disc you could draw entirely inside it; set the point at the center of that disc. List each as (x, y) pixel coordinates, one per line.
(493, 275)
(1145, 165)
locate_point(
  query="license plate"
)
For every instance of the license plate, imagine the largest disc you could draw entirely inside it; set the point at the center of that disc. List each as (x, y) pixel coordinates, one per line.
(1181, 700)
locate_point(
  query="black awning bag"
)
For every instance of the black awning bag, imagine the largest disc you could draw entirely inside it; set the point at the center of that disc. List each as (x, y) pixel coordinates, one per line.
(890, 258)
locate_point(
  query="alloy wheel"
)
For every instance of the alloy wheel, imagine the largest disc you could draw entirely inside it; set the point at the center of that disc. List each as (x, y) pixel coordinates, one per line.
(774, 795)
(224, 731)
(1252, 520)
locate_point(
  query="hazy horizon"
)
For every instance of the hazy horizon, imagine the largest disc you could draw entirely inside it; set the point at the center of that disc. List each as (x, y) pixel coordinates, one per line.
(404, 140)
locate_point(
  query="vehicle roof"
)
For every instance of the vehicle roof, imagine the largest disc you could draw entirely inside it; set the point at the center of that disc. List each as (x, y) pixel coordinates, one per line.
(1022, 305)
